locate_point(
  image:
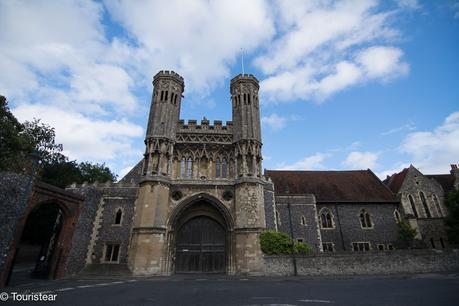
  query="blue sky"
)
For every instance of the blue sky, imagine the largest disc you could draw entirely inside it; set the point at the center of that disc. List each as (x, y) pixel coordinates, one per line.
(344, 85)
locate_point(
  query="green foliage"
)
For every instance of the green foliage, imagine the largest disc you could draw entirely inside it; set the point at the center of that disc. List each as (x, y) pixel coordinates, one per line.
(302, 248)
(64, 173)
(452, 219)
(405, 232)
(13, 145)
(18, 140)
(278, 243)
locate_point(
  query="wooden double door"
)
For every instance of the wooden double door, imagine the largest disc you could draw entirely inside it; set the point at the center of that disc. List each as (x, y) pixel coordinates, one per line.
(200, 246)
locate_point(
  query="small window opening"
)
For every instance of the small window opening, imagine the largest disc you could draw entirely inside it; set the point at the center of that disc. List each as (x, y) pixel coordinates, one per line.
(118, 216)
(112, 252)
(162, 95)
(165, 98)
(432, 243)
(303, 220)
(442, 243)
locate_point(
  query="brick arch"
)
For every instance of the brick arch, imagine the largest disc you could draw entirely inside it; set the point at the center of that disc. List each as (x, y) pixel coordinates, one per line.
(70, 205)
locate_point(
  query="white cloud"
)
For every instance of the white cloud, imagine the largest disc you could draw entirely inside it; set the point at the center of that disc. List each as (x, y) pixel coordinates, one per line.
(382, 62)
(198, 39)
(433, 151)
(361, 160)
(406, 127)
(312, 162)
(325, 47)
(274, 121)
(86, 138)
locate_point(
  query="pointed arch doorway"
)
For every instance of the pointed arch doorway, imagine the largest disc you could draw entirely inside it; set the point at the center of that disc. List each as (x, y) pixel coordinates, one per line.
(202, 236)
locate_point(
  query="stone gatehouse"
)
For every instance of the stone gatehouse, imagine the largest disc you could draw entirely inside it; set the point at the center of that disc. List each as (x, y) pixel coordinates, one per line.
(199, 198)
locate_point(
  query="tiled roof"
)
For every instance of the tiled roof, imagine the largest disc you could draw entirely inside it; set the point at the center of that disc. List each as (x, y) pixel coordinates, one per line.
(446, 181)
(395, 181)
(333, 186)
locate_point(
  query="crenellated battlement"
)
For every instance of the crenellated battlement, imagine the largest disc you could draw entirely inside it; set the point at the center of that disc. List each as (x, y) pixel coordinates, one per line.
(244, 78)
(168, 73)
(192, 125)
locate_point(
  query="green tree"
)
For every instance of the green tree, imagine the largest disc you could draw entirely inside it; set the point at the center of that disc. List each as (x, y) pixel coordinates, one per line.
(14, 146)
(406, 233)
(452, 219)
(18, 140)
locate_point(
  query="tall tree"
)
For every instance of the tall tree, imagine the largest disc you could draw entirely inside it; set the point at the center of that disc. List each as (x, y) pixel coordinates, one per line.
(18, 140)
(452, 219)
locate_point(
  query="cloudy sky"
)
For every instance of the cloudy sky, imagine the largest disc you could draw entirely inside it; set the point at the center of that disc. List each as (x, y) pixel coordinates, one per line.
(344, 85)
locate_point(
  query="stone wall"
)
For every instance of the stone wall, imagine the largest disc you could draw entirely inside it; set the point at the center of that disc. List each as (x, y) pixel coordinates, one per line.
(13, 202)
(348, 229)
(388, 262)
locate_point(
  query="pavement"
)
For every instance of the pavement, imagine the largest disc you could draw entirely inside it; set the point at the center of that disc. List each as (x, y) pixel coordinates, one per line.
(418, 289)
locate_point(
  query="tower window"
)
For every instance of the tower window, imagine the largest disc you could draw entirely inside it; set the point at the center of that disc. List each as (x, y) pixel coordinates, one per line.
(248, 99)
(217, 168)
(165, 98)
(118, 216)
(413, 206)
(245, 99)
(365, 219)
(182, 167)
(175, 99)
(224, 169)
(162, 95)
(424, 204)
(172, 97)
(189, 168)
(437, 205)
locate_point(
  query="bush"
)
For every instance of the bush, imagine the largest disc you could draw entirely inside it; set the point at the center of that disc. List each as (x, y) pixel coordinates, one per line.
(278, 243)
(405, 232)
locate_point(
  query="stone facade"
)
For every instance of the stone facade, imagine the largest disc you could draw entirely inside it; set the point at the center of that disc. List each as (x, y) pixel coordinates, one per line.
(196, 171)
(422, 199)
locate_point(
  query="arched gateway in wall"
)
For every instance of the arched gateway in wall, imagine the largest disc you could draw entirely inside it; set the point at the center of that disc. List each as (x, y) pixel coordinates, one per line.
(201, 230)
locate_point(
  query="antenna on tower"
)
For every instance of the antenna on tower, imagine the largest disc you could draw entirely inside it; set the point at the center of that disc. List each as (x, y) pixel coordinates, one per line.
(242, 60)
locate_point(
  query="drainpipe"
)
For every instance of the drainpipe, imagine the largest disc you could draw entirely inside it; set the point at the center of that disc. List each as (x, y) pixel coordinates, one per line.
(295, 272)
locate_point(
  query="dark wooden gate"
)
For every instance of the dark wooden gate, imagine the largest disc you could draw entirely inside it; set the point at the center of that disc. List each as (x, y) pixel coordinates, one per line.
(200, 247)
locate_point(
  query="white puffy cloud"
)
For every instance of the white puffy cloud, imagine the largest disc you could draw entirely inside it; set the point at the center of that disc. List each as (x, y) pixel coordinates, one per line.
(198, 39)
(433, 151)
(86, 138)
(361, 160)
(312, 162)
(324, 47)
(382, 62)
(274, 121)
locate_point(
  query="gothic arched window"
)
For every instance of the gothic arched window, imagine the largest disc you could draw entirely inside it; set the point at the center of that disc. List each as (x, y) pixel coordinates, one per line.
(437, 205)
(326, 218)
(365, 219)
(397, 216)
(189, 168)
(218, 168)
(413, 206)
(224, 169)
(118, 216)
(424, 204)
(183, 167)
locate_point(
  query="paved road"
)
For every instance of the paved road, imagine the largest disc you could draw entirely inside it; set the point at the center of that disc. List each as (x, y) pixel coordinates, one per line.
(422, 289)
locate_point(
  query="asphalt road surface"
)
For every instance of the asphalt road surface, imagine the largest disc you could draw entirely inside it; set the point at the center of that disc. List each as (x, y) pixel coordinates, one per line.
(420, 289)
